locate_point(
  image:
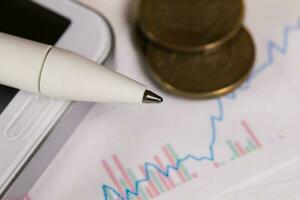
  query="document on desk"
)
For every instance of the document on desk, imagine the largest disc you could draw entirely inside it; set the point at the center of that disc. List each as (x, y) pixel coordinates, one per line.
(185, 149)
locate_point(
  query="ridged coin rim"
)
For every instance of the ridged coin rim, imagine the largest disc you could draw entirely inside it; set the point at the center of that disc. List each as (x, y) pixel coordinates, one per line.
(203, 95)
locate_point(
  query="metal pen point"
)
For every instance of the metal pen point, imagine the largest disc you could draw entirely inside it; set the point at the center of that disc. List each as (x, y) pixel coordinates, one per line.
(151, 97)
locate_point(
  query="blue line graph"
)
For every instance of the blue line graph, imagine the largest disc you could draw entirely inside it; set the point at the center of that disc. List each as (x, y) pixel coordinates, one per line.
(272, 47)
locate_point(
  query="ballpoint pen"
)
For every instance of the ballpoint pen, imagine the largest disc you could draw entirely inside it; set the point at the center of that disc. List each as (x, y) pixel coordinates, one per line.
(58, 73)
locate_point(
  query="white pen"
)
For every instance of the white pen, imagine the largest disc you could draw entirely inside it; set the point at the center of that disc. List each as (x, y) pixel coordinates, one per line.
(57, 73)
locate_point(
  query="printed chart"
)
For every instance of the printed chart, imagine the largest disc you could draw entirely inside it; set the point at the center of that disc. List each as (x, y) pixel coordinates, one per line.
(158, 184)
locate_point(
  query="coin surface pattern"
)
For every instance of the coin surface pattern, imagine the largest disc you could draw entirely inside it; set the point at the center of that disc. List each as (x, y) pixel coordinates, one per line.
(203, 76)
(191, 25)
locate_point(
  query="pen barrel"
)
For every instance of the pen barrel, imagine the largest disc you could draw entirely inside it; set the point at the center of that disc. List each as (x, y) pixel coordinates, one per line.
(62, 74)
(21, 62)
(67, 75)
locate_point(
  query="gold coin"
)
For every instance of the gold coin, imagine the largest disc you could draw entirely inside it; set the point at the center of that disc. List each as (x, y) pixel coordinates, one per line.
(191, 25)
(202, 76)
(140, 39)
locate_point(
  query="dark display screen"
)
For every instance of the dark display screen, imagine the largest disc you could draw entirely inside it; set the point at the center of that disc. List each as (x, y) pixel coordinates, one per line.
(28, 20)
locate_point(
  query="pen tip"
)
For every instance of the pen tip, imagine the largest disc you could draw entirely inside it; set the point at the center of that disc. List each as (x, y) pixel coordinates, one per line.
(151, 97)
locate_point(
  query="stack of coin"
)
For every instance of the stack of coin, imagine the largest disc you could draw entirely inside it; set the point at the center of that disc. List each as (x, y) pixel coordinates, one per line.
(196, 48)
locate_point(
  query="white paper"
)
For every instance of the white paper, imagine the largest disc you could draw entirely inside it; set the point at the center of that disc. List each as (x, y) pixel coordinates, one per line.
(282, 184)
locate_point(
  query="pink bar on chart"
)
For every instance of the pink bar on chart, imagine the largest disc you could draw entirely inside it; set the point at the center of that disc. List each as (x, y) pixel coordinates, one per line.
(151, 184)
(240, 148)
(169, 179)
(149, 193)
(168, 155)
(26, 197)
(251, 133)
(195, 175)
(123, 171)
(163, 180)
(112, 177)
(216, 165)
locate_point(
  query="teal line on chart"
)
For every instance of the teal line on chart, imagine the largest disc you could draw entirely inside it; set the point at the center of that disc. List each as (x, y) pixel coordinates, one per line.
(214, 119)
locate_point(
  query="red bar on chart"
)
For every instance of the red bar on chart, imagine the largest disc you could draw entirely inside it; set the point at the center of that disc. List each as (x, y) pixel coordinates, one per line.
(123, 172)
(240, 149)
(216, 165)
(112, 177)
(168, 155)
(26, 197)
(194, 175)
(149, 192)
(171, 183)
(151, 184)
(251, 134)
